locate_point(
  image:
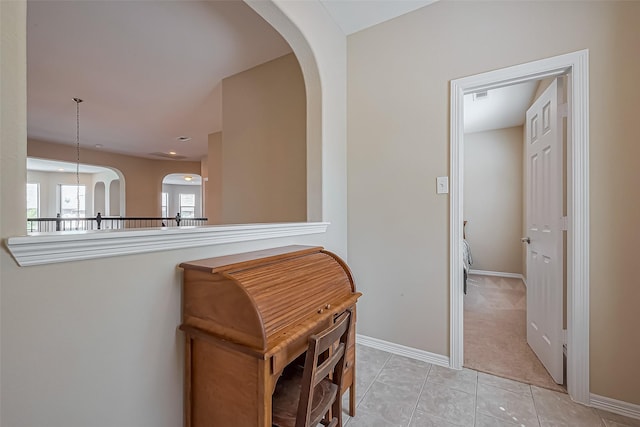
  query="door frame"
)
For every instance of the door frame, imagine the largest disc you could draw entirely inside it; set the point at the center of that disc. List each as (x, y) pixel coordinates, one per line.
(576, 64)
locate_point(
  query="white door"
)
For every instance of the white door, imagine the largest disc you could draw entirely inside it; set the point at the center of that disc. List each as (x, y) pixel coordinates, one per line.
(544, 193)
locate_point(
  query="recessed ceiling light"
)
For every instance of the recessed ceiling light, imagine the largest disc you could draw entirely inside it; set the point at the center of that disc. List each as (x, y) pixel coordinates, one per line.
(173, 153)
(98, 145)
(60, 169)
(184, 138)
(188, 178)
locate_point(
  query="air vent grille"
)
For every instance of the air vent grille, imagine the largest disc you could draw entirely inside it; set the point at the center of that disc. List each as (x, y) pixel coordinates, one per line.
(478, 96)
(168, 156)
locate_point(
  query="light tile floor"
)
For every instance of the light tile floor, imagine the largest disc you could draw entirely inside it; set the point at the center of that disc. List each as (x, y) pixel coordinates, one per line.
(398, 391)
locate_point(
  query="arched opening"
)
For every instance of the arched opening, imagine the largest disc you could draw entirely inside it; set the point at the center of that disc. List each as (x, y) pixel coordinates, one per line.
(181, 194)
(55, 179)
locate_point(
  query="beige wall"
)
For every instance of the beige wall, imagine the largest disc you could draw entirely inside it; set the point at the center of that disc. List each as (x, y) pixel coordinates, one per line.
(264, 144)
(398, 142)
(142, 177)
(213, 185)
(95, 343)
(493, 198)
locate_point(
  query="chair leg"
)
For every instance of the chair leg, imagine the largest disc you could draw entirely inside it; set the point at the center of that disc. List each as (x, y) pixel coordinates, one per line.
(332, 423)
(352, 399)
(337, 411)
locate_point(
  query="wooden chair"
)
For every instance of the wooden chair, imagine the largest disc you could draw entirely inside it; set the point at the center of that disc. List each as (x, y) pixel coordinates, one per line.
(311, 395)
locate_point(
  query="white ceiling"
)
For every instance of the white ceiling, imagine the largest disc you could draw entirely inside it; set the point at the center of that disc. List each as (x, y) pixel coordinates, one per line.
(44, 165)
(502, 108)
(356, 15)
(179, 179)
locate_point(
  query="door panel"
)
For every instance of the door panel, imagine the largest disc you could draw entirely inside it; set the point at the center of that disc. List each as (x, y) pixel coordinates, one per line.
(544, 215)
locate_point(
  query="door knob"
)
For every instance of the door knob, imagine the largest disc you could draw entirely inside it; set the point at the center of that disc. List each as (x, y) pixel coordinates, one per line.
(526, 240)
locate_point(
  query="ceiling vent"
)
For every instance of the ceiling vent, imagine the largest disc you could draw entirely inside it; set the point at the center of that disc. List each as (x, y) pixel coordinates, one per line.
(479, 96)
(168, 156)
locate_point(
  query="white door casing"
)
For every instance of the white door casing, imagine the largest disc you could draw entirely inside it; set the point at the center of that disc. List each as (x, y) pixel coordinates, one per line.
(576, 65)
(544, 196)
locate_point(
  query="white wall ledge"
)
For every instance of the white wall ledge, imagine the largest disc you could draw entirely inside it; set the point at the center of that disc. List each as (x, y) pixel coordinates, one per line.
(64, 246)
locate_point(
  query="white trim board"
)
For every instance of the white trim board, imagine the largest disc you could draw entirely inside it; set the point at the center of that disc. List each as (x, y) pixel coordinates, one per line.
(63, 246)
(497, 274)
(401, 350)
(630, 410)
(575, 64)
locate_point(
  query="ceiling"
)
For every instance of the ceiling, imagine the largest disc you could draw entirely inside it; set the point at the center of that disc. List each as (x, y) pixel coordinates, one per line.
(356, 15)
(44, 165)
(150, 72)
(182, 179)
(501, 108)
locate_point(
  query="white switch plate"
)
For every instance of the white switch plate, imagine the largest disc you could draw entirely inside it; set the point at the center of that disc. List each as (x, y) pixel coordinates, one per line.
(442, 184)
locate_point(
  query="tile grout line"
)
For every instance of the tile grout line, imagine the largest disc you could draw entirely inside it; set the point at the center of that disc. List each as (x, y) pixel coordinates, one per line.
(372, 382)
(497, 387)
(424, 383)
(475, 402)
(535, 407)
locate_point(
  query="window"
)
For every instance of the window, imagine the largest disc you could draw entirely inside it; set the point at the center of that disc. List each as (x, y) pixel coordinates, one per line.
(69, 201)
(187, 205)
(33, 200)
(165, 205)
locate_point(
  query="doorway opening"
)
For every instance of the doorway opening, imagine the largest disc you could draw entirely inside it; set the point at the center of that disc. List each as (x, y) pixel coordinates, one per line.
(575, 65)
(497, 309)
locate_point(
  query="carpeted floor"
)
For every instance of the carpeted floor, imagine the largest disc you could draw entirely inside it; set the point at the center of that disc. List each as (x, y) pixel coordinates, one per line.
(495, 335)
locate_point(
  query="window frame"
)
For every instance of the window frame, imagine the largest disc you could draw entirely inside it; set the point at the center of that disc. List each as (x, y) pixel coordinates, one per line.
(164, 204)
(181, 206)
(37, 187)
(83, 200)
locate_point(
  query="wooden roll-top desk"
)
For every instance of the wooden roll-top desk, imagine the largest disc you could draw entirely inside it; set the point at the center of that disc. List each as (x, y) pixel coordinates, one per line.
(249, 315)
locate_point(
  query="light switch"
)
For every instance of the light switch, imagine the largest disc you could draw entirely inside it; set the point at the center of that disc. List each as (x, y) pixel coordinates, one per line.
(442, 184)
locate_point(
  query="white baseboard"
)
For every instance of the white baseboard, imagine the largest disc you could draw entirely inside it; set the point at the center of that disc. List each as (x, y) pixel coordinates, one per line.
(630, 410)
(497, 274)
(401, 350)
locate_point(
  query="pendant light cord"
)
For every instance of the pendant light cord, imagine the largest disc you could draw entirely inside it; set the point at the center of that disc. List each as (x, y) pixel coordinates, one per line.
(78, 101)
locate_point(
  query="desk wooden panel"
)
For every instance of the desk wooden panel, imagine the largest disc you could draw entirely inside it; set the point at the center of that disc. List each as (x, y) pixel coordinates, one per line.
(249, 315)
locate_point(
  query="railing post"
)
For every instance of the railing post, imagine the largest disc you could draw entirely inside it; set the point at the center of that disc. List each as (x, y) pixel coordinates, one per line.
(178, 219)
(98, 219)
(58, 222)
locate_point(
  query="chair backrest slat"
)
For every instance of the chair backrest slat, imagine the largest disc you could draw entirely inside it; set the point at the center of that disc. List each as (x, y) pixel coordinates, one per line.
(329, 347)
(326, 367)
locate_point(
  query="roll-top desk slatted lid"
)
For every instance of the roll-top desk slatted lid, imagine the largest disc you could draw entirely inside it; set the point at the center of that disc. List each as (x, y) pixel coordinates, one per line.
(260, 300)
